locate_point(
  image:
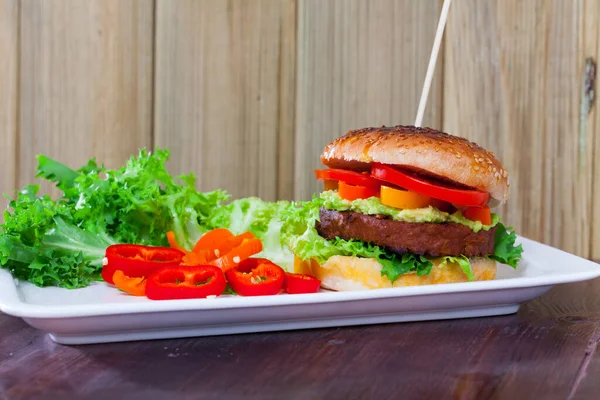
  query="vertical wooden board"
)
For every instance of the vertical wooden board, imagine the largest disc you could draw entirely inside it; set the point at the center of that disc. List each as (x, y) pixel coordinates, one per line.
(9, 42)
(360, 63)
(592, 51)
(512, 76)
(225, 93)
(86, 81)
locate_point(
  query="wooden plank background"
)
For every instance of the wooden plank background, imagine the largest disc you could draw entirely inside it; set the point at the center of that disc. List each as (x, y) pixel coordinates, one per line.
(246, 93)
(519, 94)
(9, 49)
(360, 63)
(225, 92)
(85, 87)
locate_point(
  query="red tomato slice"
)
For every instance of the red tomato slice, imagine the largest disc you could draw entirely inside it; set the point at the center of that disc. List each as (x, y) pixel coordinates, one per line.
(301, 283)
(482, 214)
(350, 177)
(350, 192)
(436, 190)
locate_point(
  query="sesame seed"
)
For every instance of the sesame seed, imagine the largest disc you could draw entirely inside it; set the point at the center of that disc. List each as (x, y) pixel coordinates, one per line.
(217, 253)
(236, 259)
(105, 261)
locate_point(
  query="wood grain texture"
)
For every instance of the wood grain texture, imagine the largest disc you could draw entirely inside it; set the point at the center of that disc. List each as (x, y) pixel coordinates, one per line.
(86, 81)
(512, 83)
(225, 93)
(9, 63)
(538, 352)
(592, 50)
(360, 64)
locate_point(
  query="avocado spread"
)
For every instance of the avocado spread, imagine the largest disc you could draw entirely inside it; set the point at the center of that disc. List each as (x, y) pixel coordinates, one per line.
(372, 206)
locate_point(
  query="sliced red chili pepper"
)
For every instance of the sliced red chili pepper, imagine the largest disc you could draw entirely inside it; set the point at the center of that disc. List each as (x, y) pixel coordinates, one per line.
(133, 286)
(256, 277)
(301, 283)
(138, 261)
(185, 282)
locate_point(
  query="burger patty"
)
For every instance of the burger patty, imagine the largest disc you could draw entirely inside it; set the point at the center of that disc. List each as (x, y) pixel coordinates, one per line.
(431, 239)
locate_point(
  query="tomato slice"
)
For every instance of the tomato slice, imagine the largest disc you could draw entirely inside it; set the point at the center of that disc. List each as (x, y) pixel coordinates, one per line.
(482, 214)
(301, 283)
(138, 261)
(436, 190)
(185, 282)
(256, 277)
(403, 199)
(350, 192)
(350, 177)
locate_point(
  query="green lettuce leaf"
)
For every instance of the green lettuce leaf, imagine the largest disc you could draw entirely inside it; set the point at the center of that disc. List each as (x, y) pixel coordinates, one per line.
(141, 201)
(38, 245)
(54, 171)
(464, 263)
(62, 241)
(505, 250)
(263, 219)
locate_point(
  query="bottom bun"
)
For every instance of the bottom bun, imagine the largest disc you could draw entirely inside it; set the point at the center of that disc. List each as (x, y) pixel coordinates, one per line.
(343, 273)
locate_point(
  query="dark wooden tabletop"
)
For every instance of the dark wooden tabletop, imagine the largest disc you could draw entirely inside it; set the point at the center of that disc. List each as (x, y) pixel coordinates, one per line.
(545, 351)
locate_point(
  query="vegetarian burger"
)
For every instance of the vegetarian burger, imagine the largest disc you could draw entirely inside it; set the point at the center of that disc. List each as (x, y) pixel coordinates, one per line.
(404, 206)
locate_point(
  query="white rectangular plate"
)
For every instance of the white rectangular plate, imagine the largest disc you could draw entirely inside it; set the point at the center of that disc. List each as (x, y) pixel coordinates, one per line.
(99, 313)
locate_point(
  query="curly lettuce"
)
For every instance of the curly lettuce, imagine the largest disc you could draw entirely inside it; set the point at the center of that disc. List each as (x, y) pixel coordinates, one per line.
(505, 250)
(263, 219)
(61, 242)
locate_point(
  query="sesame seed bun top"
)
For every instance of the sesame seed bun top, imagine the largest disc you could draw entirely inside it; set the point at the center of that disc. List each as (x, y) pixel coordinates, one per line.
(428, 151)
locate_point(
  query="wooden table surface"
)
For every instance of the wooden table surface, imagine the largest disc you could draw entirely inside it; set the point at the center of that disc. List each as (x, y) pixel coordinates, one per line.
(545, 351)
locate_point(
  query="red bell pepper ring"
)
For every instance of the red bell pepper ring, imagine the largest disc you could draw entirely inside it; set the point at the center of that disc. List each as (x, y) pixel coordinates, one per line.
(185, 282)
(137, 261)
(256, 277)
(301, 283)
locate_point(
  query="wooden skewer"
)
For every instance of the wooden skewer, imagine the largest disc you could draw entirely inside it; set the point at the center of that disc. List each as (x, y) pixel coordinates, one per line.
(432, 61)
